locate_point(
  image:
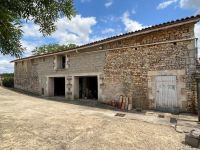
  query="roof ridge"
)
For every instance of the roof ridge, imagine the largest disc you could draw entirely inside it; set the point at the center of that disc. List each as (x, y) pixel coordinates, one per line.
(121, 35)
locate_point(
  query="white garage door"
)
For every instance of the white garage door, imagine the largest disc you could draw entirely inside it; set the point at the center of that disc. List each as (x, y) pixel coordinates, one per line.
(166, 96)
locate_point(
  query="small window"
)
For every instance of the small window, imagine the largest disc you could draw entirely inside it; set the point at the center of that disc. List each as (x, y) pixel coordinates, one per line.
(32, 61)
(43, 59)
(120, 43)
(63, 62)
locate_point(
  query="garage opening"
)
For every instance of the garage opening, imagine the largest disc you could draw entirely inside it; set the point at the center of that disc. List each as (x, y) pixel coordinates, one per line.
(59, 86)
(88, 88)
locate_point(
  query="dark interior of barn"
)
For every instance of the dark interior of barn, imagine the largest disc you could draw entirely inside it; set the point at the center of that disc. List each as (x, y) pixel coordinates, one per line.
(59, 86)
(88, 88)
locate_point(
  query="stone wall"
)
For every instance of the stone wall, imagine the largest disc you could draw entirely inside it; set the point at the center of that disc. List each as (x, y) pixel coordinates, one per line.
(124, 67)
(33, 76)
(26, 76)
(126, 71)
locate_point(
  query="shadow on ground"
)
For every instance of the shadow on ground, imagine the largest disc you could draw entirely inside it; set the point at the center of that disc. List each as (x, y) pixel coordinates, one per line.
(81, 102)
(97, 104)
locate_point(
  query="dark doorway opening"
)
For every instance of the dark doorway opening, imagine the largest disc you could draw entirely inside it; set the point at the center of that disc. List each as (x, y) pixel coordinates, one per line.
(59, 86)
(88, 88)
(63, 62)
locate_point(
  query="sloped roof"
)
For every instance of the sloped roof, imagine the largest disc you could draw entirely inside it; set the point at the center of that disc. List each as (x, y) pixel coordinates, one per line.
(125, 35)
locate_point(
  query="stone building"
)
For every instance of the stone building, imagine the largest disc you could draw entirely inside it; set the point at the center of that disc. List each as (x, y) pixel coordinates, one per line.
(153, 67)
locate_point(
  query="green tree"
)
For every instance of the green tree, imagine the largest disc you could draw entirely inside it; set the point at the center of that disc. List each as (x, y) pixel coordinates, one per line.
(42, 12)
(52, 48)
(7, 79)
(7, 75)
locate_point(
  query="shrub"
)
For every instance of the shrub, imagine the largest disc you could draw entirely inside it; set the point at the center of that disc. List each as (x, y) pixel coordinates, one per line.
(7, 75)
(8, 82)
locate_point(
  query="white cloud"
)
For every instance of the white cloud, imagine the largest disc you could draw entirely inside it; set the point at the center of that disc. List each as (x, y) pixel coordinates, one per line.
(107, 30)
(190, 4)
(76, 30)
(131, 25)
(83, 1)
(110, 18)
(31, 30)
(29, 47)
(108, 3)
(6, 66)
(166, 4)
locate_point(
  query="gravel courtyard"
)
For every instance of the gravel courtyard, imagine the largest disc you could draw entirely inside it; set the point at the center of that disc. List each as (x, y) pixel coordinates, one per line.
(28, 122)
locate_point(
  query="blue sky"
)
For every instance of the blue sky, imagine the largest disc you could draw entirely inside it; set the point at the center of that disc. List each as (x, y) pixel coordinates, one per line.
(98, 19)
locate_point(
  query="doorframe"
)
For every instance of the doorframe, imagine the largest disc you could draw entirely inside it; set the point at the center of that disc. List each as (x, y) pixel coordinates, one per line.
(50, 84)
(72, 76)
(75, 86)
(180, 86)
(176, 93)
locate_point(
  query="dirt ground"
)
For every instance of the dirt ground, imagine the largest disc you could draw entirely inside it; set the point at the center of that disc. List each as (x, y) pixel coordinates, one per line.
(28, 122)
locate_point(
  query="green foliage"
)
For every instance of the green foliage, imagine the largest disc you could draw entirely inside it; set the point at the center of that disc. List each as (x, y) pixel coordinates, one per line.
(52, 48)
(8, 81)
(7, 75)
(41, 12)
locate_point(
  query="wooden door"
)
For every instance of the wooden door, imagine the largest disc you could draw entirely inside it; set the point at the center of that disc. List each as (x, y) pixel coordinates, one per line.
(166, 95)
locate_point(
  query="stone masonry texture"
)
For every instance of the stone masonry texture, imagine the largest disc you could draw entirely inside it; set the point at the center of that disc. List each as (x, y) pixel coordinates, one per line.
(126, 67)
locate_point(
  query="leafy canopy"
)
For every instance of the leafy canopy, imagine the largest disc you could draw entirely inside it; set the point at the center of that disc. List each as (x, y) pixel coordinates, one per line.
(42, 12)
(52, 48)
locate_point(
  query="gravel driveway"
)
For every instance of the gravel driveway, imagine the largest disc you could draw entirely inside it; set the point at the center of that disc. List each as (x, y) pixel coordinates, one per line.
(28, 122)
